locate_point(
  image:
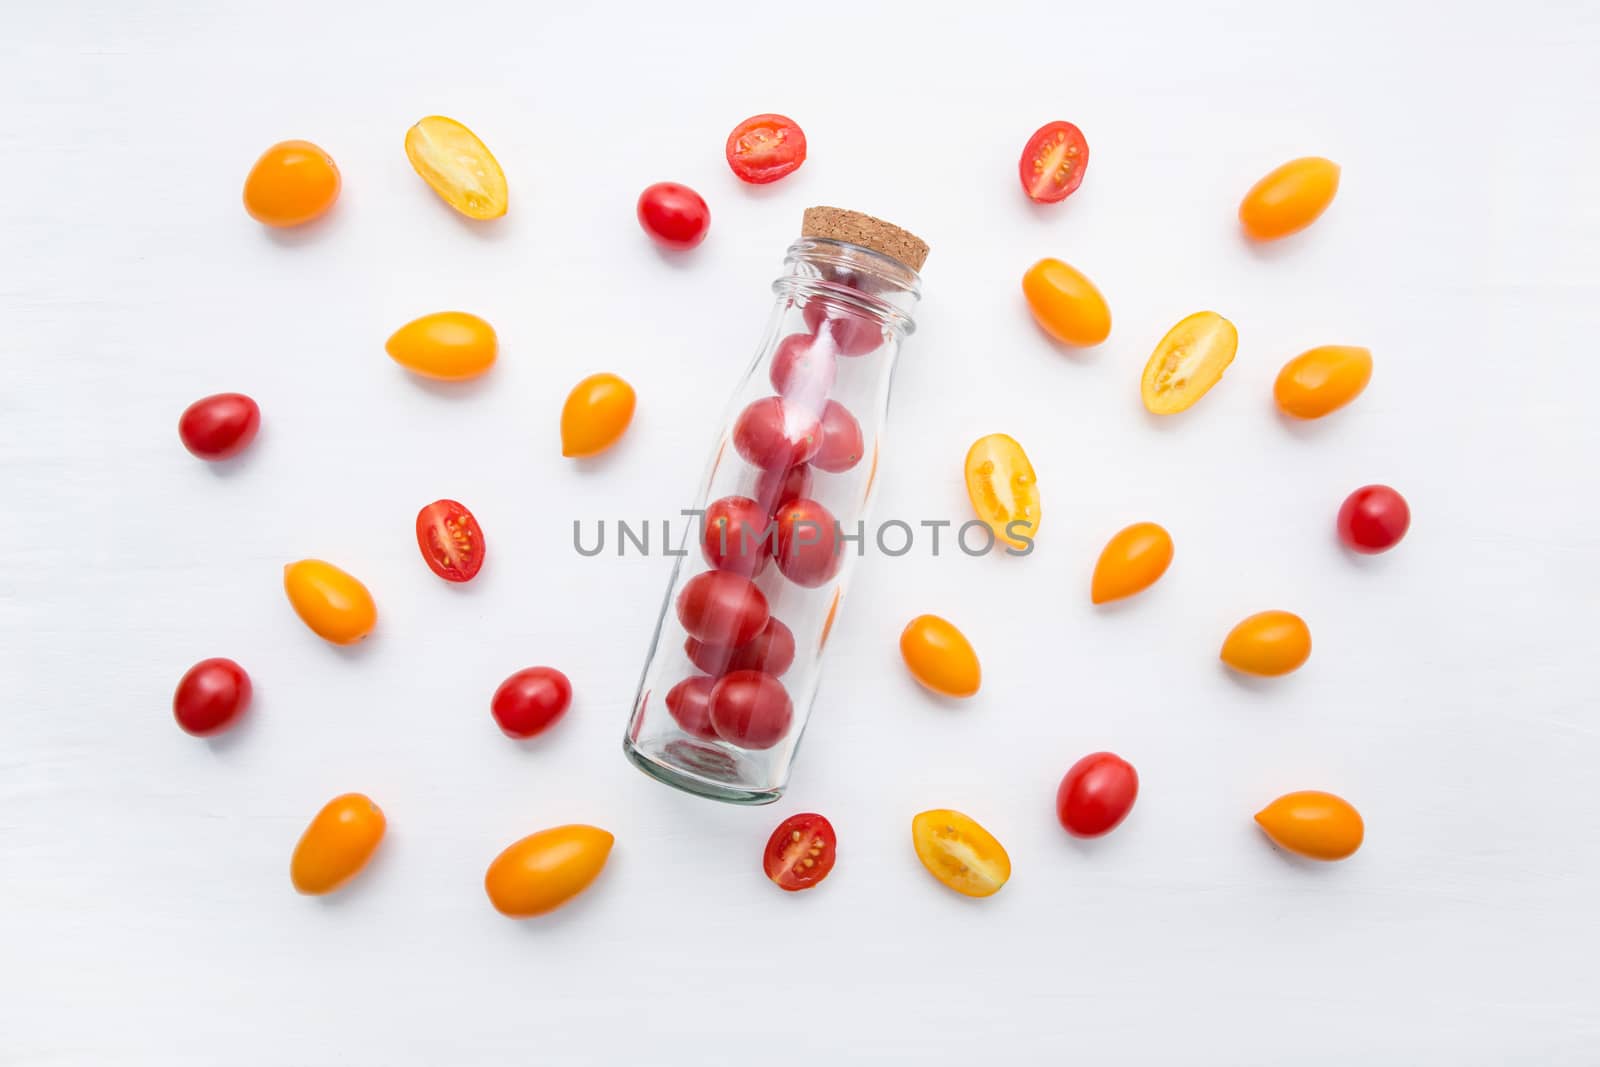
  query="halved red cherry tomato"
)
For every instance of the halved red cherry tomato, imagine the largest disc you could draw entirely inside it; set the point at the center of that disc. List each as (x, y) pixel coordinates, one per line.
(841, 445)
(771, 650)
(219, 427)
(739, 535)
(764, 148)
(772, 433)
(1096, 795)
(1053, 162)
(530, 701)
(689, 703)
(751, 709)
(810, 550)
(451, 541)
(212, 695)
(800, 852)
(722, 608)
(675, 215)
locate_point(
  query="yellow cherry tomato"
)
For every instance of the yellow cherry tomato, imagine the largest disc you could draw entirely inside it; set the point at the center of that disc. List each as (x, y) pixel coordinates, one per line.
(1269, 643)
(1289, 199)
(545, 870)
(336, 606)
(960, 853)
(457, 166)
(1322, 380)
(1313, 823)
(1066, 304)
(940, 656)
(1131, 562)
(292, 183)
(1004, 490)
(450, 345)
(596, 413)
(1189, 360)
(337, 844)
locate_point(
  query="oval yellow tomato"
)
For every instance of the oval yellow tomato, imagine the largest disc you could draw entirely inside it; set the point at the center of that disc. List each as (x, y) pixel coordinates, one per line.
(1004, 490)
(292, 183)
(332, 603)
(1289, 199)
(960, 853)
(597, 412)
(1131, 562)
(337, 844)
(543, 871)
(449, 345)
(1269, 643)
(457, 166)
(940, 656)
(1313, 823)
(1322, 380)
(1066, 304)
(1189, 360)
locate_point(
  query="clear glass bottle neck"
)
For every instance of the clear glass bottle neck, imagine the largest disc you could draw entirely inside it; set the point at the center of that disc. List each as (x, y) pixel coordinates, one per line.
(852, 278)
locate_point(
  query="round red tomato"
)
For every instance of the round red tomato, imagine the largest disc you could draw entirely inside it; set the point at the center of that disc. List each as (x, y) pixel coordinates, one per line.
(451, 540)
(528, 702)
(673, 214)
(1053, 162)
(1096, 794)
(809, 547)
(218, 427)
(851, 332)
(722, 608)
(775, 488)
(689, 703)
(775, 435)
(800, 852)
(751, 709)
(803, 368)
(1373, 519)
(737, 535)
(763, 148)
(211, 696)
(771, 650)
(841, 445)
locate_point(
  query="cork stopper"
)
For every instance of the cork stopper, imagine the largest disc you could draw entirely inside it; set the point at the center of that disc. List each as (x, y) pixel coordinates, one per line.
(852, 227)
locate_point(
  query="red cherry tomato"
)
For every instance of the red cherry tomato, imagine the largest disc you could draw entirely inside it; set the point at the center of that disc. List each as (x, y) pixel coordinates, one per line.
(800, 852)
(451, 540)
(211, 696)
(530, 701)
(220, 426)
(689, 703)
(809, 547)
(763, 148)
(1053, 162)
(775, 488)
(771, 650)
(1373, 519)
(674, 215)
(852, 333)
(751, 709)
(737, 535)
(1096, 794)
(773, 434)
(841, 445)
(803, 368)
(722, 608)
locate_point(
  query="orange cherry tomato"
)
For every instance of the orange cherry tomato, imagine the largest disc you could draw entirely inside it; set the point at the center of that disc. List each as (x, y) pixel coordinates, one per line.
(1066, 304)
(1131, 562)
(292, 183)
(1189, 360)
(1314, 824)
(1289, 199)
(335, 605)
(337, 844)
(1322, 380)
(457, 166)
(940, 656)
(596, 414)
(1004, 490)
(1269, 643)
(960, 853)
(449, 345)
(543, 871)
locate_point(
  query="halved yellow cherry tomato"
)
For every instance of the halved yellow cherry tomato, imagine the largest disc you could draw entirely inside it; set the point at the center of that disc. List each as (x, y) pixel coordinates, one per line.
(1131, 562)
(457, 166)
(543, 871)
(960, 853)
(1189, 360)
(337, 844)
(1066, 304)
(940, 656)
(1269, 643)
(449, 345)
(1289, 199)
(597, 412)
(1322, 380)
(1004, 490)
(292, 183)
(336, 606)
(1313, 823)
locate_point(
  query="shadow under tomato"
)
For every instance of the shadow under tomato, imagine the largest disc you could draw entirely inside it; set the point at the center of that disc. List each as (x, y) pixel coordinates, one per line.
(235, 466)
(352, 892)
(451, 390)
(221, 745)
(305, 233)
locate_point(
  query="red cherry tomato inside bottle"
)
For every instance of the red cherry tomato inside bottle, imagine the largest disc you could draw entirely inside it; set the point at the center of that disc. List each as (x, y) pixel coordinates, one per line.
(774, 434)
(810, 550)
(1053, 162)
(1096, 794)
(803, 368)
(530, 701)
(451, 541)
(800, 852)
(689, 703)
(219, 427)
(722, 608)
(850, 333)
(751, 709)
(764, 148)
(674, 215)
(775, 488)
(211, 696)
(841, 445)
(771, 650)
(738, 535)
(1373, 519)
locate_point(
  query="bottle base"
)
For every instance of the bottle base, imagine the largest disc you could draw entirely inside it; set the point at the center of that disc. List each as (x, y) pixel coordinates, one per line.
(702, 769)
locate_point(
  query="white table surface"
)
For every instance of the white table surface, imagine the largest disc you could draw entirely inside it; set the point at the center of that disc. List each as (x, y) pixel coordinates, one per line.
(145, 912)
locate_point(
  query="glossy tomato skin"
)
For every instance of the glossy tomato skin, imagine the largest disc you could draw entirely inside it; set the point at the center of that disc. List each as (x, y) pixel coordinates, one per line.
(447, 345)
(1096, 795)
(751, 709)
(458, 166)
(961, 854)
(1004, 489)
(776, 434)
(850, 332)
(739, 535)
(1289, 199)
(841, 443)
(810, 550)
(689, 704)
(674, 215)
(722, 608)
(529, 702)
(1320, 381)
(211, 696)
(1373, 519)
(775, 488)
(764, 148)
(771, 650)
(1053, 162)
(337, 845)
(451, 540)
(331, 602)
(1132, 561)
(1187, 362)
(1313, 824)
(801, 852)
(545, 870)
(1066, 304)
(1269, 643)
(220, 426)
(940, 657)
(596, 414)
(291, 184)
(803, 368)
